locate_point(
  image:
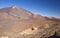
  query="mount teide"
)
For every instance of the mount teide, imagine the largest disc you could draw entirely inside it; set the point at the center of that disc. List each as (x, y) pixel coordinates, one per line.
(16, 12)
(15, 20)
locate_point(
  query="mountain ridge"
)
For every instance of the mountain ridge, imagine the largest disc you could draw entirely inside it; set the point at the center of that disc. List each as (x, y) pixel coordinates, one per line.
(14, 21)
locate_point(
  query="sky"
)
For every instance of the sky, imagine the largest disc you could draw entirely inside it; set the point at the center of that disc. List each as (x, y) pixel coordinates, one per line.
(43, 7)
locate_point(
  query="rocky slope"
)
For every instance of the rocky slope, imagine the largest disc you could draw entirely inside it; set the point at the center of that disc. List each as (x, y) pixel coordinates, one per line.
(15, 21)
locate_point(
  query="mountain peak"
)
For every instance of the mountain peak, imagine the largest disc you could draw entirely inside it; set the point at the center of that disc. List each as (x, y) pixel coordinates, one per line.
(16, 12)
(14, 6)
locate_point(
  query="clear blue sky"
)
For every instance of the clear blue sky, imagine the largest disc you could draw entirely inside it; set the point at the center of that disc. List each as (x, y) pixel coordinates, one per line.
(42, 7)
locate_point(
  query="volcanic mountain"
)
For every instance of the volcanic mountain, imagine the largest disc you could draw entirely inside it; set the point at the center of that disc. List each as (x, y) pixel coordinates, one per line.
(10, 15)
(16, 12)
(14, 20)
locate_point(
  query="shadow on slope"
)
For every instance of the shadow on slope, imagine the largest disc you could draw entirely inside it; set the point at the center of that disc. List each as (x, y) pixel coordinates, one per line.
(54, 36)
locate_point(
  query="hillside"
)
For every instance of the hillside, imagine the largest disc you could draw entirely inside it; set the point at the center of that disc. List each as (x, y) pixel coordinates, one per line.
(15, 20)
